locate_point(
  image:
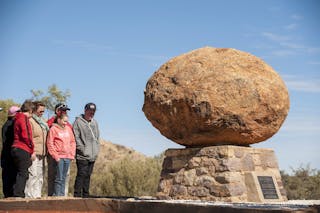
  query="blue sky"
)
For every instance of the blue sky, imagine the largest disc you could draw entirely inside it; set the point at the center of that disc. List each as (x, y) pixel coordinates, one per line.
(105, 52)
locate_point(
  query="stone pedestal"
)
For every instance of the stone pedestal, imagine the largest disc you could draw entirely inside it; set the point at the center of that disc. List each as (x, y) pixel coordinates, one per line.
(221, 173)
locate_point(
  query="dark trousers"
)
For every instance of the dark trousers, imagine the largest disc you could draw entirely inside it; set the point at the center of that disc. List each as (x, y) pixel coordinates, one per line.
(22, 161)
(82, 183)
(52, 172)
(9, 174)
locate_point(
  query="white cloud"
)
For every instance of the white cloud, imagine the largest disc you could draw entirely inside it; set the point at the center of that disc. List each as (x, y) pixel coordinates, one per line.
(264, 46)
(287, 46)
(302, 125)
(83, 44)
(304, 86)
(282, 53)
(150, 57)
(291, 26)
(313, 49)
(297, 83)
(303, 121)
(296, 17)
(314, 62)
(292, 45)
(275, 37)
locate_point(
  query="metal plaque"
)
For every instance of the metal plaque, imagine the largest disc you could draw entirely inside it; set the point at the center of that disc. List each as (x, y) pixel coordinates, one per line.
(267, 187)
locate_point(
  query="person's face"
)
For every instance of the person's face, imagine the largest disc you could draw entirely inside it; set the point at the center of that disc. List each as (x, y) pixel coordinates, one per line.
(61, 112)
(89, 113)
(63, 121)
(40, 111)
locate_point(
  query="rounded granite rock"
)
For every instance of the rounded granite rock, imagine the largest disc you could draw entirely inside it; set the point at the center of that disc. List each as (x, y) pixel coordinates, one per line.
(216, 96)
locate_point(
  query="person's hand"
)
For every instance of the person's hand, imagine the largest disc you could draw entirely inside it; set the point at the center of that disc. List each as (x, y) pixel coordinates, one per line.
(33, 156)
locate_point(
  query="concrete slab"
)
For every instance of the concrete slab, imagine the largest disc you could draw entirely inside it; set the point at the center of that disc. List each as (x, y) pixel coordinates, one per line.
(135, 205)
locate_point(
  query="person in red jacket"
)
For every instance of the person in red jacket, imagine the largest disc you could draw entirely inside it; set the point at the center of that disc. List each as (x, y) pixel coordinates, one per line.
(62, 147)
(22, 148)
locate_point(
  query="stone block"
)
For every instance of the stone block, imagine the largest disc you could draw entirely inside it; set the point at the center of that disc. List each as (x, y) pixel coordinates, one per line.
(228, 177)
(236, 189)
(202, 171)
(181, 152)
(165, 186)
(247, 163)
(207, 162)
(194, 162)
(198, 191)
(219, 173)
(231, 164)
(189, 177)
(219, 190)
(206, 181)
(178, 190)
(238, 153)
(179, 163)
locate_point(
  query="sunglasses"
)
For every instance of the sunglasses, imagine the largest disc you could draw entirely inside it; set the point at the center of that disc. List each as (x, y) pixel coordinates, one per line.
(62, 106)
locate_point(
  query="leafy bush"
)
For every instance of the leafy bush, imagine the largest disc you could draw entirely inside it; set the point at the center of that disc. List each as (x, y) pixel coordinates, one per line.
(128, 177)
(304, 183)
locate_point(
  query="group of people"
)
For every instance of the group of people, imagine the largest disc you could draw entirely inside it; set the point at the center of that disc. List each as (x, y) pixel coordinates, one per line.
(29, 140)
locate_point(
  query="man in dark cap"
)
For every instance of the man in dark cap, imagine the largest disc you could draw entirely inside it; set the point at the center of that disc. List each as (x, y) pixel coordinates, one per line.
(87, 135)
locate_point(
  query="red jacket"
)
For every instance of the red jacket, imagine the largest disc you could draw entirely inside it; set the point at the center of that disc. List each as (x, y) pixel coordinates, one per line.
(23, 133)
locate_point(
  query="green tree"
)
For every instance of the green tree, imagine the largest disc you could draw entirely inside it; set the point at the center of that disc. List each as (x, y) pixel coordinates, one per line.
(304, 183)
(52, 97)
(5, 105)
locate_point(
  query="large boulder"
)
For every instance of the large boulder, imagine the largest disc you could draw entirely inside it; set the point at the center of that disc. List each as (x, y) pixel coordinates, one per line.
(216, 96)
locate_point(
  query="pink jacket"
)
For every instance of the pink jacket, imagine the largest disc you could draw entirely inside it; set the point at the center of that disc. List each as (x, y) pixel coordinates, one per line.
(61, 142)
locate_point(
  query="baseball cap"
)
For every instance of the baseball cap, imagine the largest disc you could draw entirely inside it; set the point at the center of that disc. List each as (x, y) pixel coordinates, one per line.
(13, 111)
(90, 106)
(61, 106)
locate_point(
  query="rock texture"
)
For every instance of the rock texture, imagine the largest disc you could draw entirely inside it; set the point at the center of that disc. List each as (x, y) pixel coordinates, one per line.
(218, 173)
(213, 96)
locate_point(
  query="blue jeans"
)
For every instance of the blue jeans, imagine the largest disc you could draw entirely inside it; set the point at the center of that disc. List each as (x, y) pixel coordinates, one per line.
(60, 181)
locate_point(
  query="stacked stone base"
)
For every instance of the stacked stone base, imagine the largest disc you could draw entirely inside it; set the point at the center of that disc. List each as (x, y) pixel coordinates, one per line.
(220, 173)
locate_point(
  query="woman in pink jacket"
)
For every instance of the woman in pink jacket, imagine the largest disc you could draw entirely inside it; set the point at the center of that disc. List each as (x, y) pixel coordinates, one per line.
(62, 147)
